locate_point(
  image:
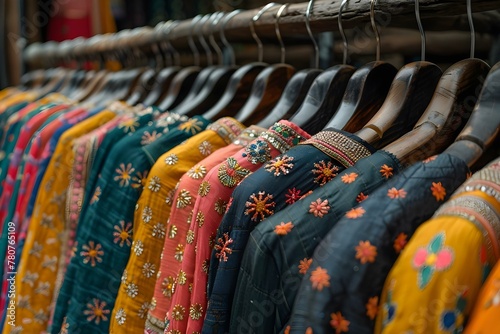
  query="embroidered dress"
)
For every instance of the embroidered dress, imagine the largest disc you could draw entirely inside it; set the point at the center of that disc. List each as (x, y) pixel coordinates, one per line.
(180, 219)
(222, 181)
(152, 224)
(303, 168)
(344, 281)
(435, 283)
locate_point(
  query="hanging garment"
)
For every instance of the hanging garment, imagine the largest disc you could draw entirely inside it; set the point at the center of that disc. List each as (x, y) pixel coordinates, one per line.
(302, 169)
(151, 222)
(214, 194)
(282, 245)
(435, 282)
(35, 276)
(181, 218)
(342, 286)
(81, 302)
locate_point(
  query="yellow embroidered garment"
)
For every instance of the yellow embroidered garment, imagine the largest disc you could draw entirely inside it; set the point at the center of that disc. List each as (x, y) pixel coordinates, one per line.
(151, 222)
(46, 237)
(436, 280)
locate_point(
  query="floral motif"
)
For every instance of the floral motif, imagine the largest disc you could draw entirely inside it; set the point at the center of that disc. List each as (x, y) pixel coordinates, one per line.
(365, 252)
(204, 189)
(123, 233)
(124, 174)
(386, 171)
(196, 311)
(171, 159)
(170, 197)
(396, 193)
(355, 213)
(129, 125)
(96, 195)
(147, 214)
(138, 247)
(349, 178)
(257, 152)
(182, 277)
(230, 173)
(372, 307)
(120, 316)
(64, 327)
(361, 197)
(197, 172)
(191, 125)
(259, 207)
(339, 323)
(429, 159)
(205, 266)
(200, 218)
(154, 184)
(389, 308)
(280, 165)
(183, 199)
(292, 196)
(283, 228)
(222, 248)
(400, 242)
(190, 237)
(179, 252)
(324, 172)
(143, 311)
(148, 269)
(96, 311)
(172, 232)
(92, 253)
(438, 191)
(228, 206)
(304, 265)
(434, 257)
(168, 286)
(148, 138)
(139, 180)
(320, 278)
(319, 208)
(205, 148)
(178, 312)
(220, 206)
(452, 321)
(132, 290)
(159, 231)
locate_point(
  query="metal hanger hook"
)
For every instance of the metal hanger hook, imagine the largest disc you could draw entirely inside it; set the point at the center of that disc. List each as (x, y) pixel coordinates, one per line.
(309, 9)
(342, 33)
(192, 44)
(201, 38)
(175, 54)
(216, 17)
(421, 29)
(375, 28)
(223, 38)
(254, 19)
(472, 30)
(278, 32)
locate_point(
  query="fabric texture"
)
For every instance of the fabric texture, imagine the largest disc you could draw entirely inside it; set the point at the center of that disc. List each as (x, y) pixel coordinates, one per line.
(435, 283)
(268, 190)
(343, 284)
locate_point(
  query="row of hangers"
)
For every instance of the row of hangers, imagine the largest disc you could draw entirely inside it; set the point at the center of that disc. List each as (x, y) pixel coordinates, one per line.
(413, 112)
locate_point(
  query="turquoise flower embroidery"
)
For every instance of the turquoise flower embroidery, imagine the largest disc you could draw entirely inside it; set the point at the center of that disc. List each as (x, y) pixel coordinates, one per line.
(434, 257)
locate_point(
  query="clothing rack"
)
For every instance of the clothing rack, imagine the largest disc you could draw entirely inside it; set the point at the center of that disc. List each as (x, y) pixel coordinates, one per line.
(324, 17)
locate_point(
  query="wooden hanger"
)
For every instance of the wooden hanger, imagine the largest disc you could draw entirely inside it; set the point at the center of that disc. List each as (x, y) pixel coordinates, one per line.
(408, 97)
(297, 88)
(484, 124)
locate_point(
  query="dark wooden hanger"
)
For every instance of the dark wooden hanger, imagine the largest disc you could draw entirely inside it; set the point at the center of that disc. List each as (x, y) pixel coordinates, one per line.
(163, 80)
(146, 82)
(445, 115)
(409, 94)
(484, 124)
(179, 88)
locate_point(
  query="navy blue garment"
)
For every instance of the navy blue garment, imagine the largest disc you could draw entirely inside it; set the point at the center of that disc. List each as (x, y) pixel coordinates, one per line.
(276, 185)
(350, 265)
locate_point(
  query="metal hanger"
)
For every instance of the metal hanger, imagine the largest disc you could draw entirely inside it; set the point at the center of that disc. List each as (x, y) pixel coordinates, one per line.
(453, 100)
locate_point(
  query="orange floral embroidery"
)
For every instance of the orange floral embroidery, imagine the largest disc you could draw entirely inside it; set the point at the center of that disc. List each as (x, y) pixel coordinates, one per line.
(361, 197)
(366, 252)
(287, 330)
(372, 307)
(222, 248)
(386, 171)
(320, 278)
(339, 323)
(304, 265)
(260, 206)
(349, 178)
(319, 208)
(438, 191)
(283, 229)
(400, 242)
(429, 159)
(355, 213)
(395, 193)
